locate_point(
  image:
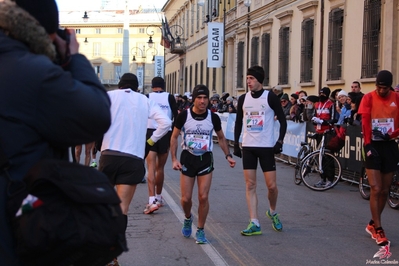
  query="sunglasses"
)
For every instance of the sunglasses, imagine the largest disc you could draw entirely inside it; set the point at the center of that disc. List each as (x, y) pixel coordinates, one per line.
(283, 101)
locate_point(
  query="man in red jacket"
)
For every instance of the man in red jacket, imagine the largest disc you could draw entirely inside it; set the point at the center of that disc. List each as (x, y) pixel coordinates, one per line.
(380, 124)
(324, 115)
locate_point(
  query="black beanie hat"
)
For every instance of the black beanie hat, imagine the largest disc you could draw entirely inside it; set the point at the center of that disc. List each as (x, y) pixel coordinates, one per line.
(257, 72)
(384, 78)
(44, 11)
(326, 91)
(199, 90)
(313, 98)
(129, 80)
(295, 96)
(158, 82)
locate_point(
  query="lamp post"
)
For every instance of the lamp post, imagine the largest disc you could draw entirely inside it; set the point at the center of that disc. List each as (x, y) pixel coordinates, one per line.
(247, 3)
(85, 17)
(160, 64)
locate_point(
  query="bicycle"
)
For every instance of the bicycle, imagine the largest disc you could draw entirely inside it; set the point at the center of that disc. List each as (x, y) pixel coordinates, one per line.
(305, 149)
(393, 198)
(313, 166)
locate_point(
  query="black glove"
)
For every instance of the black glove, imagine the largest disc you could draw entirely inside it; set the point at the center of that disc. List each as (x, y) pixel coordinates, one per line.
(237, 150)
(381, 135)
(278, 147)
(370, 152)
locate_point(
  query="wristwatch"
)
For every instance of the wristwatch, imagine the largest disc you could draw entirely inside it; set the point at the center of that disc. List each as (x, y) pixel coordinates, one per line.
(229, 155)
(280, 141)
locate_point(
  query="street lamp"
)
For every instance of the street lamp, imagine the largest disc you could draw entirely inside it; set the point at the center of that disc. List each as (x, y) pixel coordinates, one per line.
(85, 17)
(134, 51)
(177, 44)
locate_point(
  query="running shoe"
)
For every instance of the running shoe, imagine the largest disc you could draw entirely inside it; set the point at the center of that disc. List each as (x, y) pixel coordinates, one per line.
(200, 236)
(321, 183)
(114, 262)
(371, 230)
(381, 238)
(160, 202)
(328, 184)
(186, 230)
(251, 230)
(93, 165)
(150, 208)
(276, 224)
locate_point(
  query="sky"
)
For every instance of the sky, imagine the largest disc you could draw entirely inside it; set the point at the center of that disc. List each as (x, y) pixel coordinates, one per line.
(81, 5)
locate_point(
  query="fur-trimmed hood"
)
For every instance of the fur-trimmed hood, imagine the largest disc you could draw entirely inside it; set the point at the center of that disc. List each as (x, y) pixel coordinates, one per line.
(19, 25)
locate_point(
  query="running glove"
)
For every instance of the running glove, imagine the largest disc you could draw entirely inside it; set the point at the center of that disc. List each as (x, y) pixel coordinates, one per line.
(278, 147)
(237, 150)
(381, 135)
(317, 120)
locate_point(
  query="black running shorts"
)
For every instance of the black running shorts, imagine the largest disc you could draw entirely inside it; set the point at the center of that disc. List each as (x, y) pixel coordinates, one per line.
(122, 169)
(196, 165)
(251, 155)
(162, 145)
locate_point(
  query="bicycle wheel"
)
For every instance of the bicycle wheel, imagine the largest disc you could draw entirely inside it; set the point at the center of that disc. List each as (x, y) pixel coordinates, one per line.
(364, 187)
(393, 199)
(313, 177)
(297, 174)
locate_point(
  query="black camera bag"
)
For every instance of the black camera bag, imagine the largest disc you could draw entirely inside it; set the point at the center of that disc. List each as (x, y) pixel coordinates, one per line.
(79, 222)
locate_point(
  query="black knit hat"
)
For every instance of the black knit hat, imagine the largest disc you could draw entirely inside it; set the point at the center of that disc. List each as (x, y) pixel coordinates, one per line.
(44, 11)
(384, 78)
(158, 82)
(129, 80)
(200, 90)
(313, 98)
(257, 72)
(326, 91)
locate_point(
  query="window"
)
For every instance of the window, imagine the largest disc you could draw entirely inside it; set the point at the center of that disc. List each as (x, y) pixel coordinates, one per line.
(196, 74)
(77, 31)
(191, 78)
(334, 65)
(141, 30)
(266, 57)
(96, 49)
(201, 72)
(213, 79)
(307, 50)
(98, 31)
(120, 30)
(185, 78)
(371, 38)
(118, 72)
(99, 71)
(207, 74)
(283, 57)
(240, 65)
(118, 49)
(198, 20)
(254, 51)
(192, 17)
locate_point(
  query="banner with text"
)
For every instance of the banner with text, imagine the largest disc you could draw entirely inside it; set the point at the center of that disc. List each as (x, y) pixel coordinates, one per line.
(140, 76)
(159, 66)
(215, 44)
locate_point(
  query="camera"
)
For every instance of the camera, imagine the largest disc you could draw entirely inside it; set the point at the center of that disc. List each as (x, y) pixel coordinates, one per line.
(64, 34)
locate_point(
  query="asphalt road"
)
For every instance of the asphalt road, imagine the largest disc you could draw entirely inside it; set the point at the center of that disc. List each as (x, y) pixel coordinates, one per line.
(320, 228)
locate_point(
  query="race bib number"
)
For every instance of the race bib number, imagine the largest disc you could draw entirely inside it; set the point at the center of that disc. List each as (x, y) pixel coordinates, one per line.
(198, 142)
(255, 121)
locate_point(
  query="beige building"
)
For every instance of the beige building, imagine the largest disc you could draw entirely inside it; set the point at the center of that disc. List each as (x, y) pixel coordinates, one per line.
(103, 41)
(302, 45)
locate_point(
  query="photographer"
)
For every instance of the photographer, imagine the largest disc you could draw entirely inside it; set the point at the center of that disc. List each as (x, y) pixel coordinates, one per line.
(44, 107)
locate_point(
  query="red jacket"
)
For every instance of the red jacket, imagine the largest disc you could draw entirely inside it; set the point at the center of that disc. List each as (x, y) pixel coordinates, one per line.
(324, 110)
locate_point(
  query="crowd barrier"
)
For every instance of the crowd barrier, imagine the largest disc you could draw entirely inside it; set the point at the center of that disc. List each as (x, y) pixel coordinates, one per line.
(349, 156)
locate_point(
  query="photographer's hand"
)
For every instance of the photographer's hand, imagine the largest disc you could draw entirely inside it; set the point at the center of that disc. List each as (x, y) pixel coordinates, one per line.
(65, 49)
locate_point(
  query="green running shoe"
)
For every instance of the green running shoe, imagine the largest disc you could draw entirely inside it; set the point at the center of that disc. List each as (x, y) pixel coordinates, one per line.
(276, 224)
(251, 230)
(200, 236)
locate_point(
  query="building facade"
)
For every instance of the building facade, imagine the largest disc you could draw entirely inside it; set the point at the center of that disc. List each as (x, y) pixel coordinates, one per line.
(302, 44)
(116, 43)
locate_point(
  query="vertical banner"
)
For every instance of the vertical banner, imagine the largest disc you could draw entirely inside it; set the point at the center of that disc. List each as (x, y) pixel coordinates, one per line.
(140, 76)
(215, 44)
(159, 66)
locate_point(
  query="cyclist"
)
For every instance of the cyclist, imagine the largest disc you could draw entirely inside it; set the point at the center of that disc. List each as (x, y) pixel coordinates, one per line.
(380, 124)
(323, 120)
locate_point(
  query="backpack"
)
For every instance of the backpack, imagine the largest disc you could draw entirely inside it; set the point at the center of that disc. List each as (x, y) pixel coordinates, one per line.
(76, 220)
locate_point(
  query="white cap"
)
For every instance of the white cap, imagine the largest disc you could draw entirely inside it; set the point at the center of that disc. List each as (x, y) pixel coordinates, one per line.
(342, 93)
(278, 88)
